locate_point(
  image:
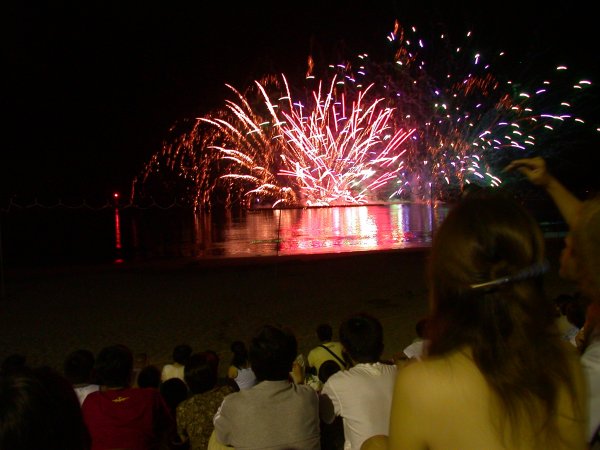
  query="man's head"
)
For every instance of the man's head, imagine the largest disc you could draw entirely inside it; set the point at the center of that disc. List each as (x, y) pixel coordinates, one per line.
(181, 353)
(362, 338)
(272, 352)
(114, 366)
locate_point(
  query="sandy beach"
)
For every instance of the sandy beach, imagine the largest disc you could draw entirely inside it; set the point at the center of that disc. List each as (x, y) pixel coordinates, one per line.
(152, 307)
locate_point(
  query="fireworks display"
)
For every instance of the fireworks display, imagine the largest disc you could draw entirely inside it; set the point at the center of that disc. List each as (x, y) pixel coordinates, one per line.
(433, 117)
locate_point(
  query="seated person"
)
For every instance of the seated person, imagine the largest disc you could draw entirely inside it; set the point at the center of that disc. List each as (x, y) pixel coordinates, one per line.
(326, 350)
(78, 369)
(361, 395)
(174, 391)
(275, 413)
(175, 369)
(497, 375)
(240, 373)
(418, 347)
(39, 410)
(149, 377)
(119, 416)
(195, 415)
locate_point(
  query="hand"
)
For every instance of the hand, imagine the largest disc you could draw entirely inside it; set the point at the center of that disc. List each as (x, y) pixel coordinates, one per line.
(297, 373)
(533, 168)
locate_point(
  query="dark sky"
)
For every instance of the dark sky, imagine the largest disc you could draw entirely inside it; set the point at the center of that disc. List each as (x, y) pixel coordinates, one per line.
(91, 88)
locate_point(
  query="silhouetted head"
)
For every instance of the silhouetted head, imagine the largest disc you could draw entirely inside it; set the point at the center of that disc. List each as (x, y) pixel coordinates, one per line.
(149, 377)
(39, 410)
(421, 327)
(78, 366)
(114, 366)
(272, 353)
(240, 354)
(181, 353)
(362, 338)
(199, 373)
(324, 332)
(174, 391)
(213, 359)
(13, 363)
(327, 369)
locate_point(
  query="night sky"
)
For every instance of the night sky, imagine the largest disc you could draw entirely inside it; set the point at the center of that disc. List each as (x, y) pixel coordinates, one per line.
(90, 89)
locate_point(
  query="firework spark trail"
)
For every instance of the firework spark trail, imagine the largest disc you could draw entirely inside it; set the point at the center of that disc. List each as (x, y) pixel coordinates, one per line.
(474, 115)
(341, 163)
(420, 126)
(324, 157)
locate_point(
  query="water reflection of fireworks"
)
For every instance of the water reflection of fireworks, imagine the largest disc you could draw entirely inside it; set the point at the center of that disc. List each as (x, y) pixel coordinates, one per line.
(418, 127)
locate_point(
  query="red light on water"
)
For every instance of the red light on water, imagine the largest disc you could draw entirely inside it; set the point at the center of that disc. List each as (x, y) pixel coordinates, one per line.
(118, 259)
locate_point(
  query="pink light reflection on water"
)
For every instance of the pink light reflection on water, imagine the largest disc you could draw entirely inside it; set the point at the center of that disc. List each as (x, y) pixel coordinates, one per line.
(358, 228)
(268, 232)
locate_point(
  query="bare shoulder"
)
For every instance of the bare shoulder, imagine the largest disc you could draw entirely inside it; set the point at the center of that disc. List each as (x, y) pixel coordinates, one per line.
(425, 396)
(416, 381)
(434, 379)
(426, 371)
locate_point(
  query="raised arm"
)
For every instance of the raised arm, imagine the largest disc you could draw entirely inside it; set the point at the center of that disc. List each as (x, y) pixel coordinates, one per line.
(536, 172)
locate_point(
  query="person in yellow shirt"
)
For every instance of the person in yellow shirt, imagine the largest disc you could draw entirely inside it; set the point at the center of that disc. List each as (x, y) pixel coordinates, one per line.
(326, 350)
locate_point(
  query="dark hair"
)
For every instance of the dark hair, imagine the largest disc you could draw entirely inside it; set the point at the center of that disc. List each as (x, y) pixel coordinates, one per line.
(199, 373)
(362, 338)
(421, 327)
(324, 332)
(174, 391)
(240, 354)
(509, 325)
(114, 366)
(272, 353)
(149, 377)
(78, 366)
(213, 359)
(327, 369)
(40, 410)
(575, 312)
(13, 363)
(181, 353)
(562, 301)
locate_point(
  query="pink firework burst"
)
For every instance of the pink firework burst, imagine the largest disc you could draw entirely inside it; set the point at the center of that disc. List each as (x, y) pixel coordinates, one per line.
(329, 151)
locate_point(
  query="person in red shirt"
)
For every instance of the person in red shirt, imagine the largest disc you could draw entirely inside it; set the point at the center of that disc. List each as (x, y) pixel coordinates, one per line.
(119, 416)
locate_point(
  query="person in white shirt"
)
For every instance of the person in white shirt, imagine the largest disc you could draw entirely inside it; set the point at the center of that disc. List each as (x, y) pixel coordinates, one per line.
(418, 348)
(361, 395)
(78, 367)
(181, 354)
(240, 372)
